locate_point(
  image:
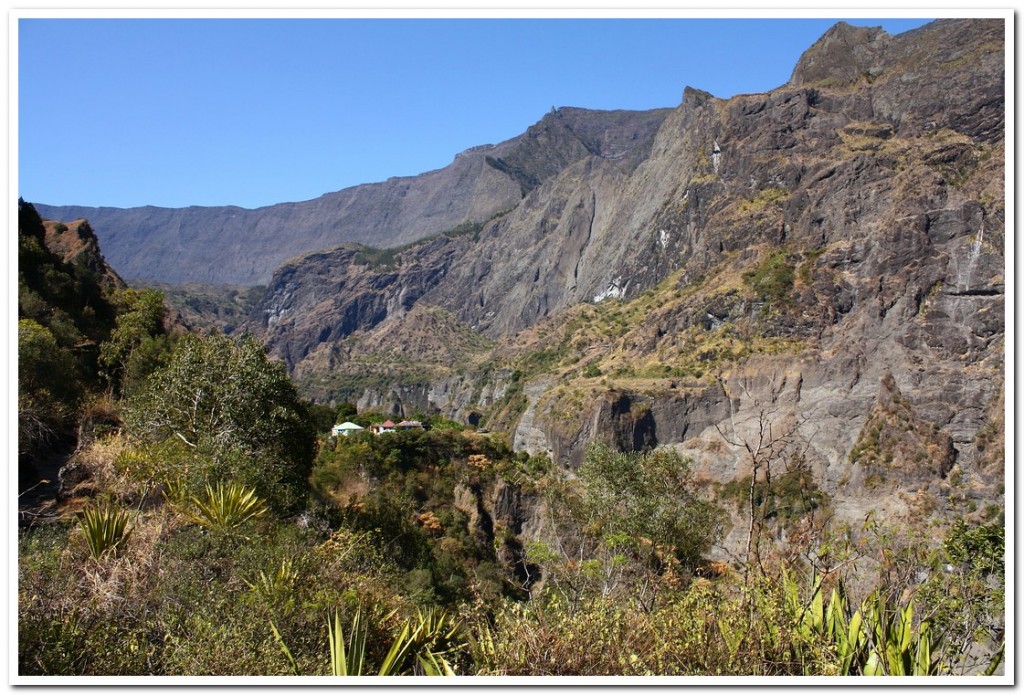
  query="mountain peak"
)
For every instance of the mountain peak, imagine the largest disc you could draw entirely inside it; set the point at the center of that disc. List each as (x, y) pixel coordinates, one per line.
(841, 55)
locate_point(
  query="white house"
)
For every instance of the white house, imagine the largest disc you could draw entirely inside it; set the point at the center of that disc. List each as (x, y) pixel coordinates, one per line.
(345, 429)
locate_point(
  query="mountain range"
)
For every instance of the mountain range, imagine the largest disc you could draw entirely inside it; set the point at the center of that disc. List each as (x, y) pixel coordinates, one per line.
(811, 277)
(233, 245)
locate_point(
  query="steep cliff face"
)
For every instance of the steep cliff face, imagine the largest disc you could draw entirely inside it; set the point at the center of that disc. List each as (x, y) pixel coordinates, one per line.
(232, 245)
(773, 266)
(806, 166)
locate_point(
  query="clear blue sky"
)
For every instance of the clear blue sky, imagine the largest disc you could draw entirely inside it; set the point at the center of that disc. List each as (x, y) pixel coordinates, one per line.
(251, 112)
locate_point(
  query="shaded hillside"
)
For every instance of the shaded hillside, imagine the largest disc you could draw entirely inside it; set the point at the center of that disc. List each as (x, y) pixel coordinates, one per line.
(83, 338)
(232, 245)
(64, 288)
(66, 311)
(205, 308)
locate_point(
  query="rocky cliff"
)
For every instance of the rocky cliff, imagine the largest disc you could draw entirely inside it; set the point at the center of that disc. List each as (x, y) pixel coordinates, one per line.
(816, 271)
(232, 245)
(75, 244)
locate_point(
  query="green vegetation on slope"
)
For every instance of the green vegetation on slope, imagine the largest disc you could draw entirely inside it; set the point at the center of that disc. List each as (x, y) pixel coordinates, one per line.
(404, 540)
(204, 307)
(78, 333)
(216, 536)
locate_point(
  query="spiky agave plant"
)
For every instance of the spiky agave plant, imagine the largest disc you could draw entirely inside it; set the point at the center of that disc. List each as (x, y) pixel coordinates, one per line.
(344, 662)
(274, 584)
(105, 528)
(226, 507)
(898, 647)
(420, 647)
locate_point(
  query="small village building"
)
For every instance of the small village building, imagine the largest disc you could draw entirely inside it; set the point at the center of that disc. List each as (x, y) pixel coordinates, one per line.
(345, 429)
(382, 427)
(390, 426)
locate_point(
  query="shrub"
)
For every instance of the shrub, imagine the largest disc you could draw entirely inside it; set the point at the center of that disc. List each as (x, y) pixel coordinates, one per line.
(772, 280)
(236, 410)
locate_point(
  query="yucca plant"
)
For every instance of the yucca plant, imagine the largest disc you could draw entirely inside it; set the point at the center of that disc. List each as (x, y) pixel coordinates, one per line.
(277, 583)
(878, 639)
(226, 507)
(429, 640)
(419, 648)
(105, 528)
(846, 633)
(483, 647)
(352, 662)
(898, 649)
(831, 625)
(344, 662)
(175, 491)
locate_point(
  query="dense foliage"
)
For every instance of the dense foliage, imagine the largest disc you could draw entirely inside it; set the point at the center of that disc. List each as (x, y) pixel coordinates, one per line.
(64, 314)
(223, 531)
(235, 412)
(411, 559)
(79, 332)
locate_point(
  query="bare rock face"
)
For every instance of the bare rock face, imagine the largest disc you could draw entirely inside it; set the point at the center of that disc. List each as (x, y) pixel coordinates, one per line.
(324, 297)
(232, 245)
(843, 56)
(813, 264)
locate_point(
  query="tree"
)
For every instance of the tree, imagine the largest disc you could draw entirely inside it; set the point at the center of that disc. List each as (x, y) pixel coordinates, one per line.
(650, 498)
(346, 411)
(139, 322)
(48, 386)
(321, 416)
(236, 413)
(769, 442)
(627, 522)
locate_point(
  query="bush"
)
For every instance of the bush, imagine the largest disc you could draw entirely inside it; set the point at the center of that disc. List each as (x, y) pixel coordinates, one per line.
(49, 388)
(772, 280)
(236, 410)
(650, 498)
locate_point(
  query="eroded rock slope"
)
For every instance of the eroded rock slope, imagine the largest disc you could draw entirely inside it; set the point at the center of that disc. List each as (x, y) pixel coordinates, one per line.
(784, 265)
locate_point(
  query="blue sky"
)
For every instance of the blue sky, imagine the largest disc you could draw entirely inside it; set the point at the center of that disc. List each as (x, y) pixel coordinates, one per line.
(252, 112)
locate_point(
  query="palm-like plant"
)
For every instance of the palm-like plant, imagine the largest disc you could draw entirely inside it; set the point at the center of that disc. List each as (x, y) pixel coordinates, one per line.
(105, 528)
(175, 491)
(880, 638)
(226, 507)
(433, 636)
(899, 649)
(418, 648)
(274, 584)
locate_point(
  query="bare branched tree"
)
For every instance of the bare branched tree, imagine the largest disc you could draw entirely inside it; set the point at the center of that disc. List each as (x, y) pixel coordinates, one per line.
(768, 440)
